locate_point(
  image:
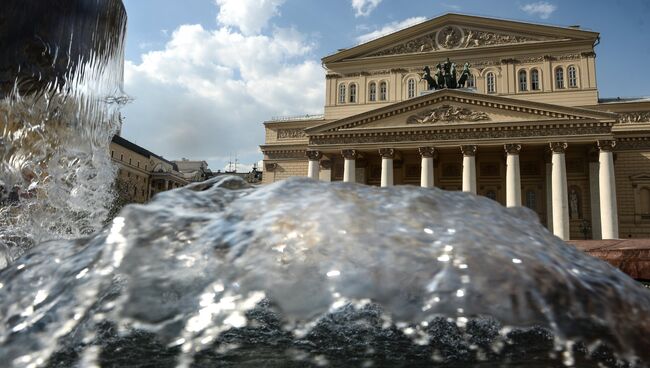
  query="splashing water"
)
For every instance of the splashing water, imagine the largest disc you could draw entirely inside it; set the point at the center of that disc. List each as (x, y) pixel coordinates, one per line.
(61, 72)
(308, 272)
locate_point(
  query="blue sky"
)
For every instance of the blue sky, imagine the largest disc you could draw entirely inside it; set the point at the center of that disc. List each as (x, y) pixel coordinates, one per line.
(205, 74)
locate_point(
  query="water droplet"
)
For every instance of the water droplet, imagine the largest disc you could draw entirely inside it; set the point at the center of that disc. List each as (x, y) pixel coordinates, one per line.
(444, 258)
(516, 260)
(334, 273)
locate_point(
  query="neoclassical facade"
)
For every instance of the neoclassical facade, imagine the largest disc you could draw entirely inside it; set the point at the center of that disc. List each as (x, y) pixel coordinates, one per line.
(529, 129)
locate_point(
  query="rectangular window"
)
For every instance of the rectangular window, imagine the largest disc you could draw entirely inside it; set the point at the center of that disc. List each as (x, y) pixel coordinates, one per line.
(112, 152)
(121, 157)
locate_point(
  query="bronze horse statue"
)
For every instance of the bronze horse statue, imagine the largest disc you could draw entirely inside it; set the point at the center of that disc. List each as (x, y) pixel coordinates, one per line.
(464, 76)
(431, 83)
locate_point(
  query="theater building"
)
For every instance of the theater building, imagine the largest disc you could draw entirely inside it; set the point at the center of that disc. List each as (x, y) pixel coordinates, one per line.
(528, 129)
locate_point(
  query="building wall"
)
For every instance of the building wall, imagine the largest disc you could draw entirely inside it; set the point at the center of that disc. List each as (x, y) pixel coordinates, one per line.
(285, 169)
(133, 172)
(634, 221)
(506, 76)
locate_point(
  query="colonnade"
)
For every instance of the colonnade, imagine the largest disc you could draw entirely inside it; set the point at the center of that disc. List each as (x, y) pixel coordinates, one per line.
(559, 193)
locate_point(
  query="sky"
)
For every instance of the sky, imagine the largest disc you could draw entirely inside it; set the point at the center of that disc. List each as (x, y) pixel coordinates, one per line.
(205, 74)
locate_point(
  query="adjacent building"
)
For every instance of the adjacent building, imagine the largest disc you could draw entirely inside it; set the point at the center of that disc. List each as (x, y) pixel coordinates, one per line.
(528, 130)
(141, 173)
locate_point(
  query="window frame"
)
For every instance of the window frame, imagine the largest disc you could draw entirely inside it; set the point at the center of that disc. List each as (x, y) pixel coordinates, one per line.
(410, 88)
(352, 93)
(372, 91)
(383, 91)
(535, 81)
(490, 76)
(522, 83)
(559, 78)
(342, 89)
(572, 82)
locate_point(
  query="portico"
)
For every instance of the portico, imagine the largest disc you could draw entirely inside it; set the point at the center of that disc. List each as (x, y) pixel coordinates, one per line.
(469, 143)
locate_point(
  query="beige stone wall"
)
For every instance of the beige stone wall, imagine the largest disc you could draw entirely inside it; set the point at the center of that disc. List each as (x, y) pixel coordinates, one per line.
(507, 80)
(284, 170)
(632, 223)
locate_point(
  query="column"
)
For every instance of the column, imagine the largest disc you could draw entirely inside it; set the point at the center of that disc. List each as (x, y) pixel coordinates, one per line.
(166, 184)
(469, 168)
(314, 163)
(387, 155)
(350, 167)
(560, 199)
(594, 198)
(607, 186)
(426, 174)
(513, 178)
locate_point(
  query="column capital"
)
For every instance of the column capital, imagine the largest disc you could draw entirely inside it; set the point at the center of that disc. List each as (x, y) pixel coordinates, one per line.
(606, 145)
(558, 147)
(427, 151)
(314, 155)
(349, 154)
(468, 149)
(512, 148)
(387, 152)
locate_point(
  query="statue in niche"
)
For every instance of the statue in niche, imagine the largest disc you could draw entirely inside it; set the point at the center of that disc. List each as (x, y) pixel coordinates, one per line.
(574, 204)
(464, 76)
(431, 83)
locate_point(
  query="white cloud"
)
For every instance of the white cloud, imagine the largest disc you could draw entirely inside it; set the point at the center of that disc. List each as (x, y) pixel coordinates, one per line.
(540, 8)
(363, 8)
(390, 28)
(207, 92)
(454, 7)
(250, 16)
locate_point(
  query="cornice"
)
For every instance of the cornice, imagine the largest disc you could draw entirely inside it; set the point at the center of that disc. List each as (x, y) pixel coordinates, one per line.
(577, 130)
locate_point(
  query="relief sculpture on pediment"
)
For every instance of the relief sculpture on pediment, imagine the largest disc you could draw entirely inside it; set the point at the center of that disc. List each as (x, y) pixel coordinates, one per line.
(634, 117)
(446, 113)
(453, 37)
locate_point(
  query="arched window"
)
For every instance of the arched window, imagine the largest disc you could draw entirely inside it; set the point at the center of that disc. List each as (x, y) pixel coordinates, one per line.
(383, 91)
(523, 80)
(353, 93)
(573, 76)
(411, 88)
(342, 93)
(491, 83)
(372, 92)
(559, 78)
(471, 81)
(534, 80)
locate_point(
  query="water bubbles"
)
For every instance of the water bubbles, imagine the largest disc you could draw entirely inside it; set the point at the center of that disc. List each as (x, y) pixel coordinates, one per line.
(516, 260)
(460, 293)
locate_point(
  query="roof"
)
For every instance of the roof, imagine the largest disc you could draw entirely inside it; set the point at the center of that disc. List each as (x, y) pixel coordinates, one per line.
(623, 99)
(140, 150)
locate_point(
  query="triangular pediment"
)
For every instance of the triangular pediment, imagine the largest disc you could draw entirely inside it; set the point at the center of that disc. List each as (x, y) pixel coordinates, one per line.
(454, 107)
(456, 31)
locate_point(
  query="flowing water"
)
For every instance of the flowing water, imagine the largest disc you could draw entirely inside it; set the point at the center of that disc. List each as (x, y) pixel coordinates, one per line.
(308, 272)
(61, 72)
(294, 274)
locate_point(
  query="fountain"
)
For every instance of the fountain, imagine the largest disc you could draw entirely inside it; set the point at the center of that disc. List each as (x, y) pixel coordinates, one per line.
(61, 72)
(293, 274)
